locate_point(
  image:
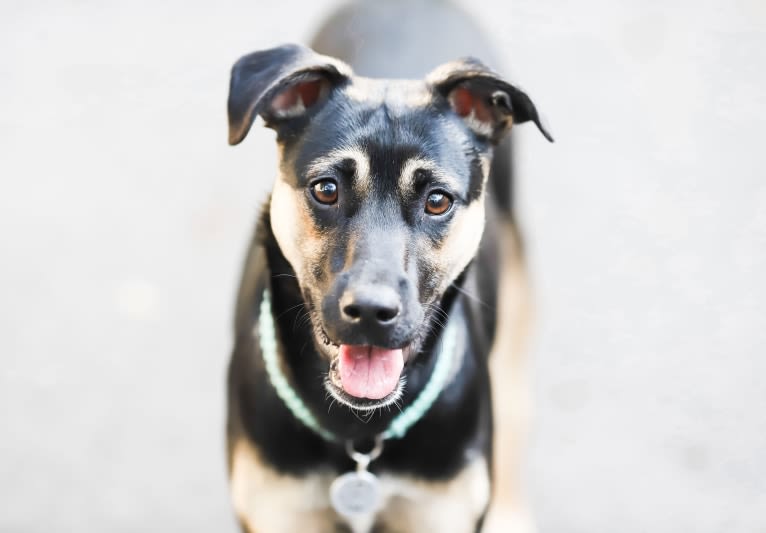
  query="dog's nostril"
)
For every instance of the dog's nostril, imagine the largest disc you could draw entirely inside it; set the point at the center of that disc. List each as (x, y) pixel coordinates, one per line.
(370, 306)
(352, 311)
(386, 314)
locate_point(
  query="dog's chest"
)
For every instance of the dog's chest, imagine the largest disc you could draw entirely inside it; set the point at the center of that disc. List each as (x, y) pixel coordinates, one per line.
(266, 501)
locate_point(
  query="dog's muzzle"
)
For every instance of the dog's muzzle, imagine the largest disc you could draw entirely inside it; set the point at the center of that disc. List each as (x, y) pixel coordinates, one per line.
(371, 323)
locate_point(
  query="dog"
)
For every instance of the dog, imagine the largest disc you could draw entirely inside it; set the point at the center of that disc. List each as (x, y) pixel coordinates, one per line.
(380, 278)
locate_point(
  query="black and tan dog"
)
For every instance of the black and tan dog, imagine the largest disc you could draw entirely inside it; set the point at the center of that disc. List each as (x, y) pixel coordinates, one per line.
(371, 294)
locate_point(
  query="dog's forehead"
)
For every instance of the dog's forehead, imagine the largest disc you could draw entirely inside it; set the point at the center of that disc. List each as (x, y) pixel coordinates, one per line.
(399, 96)
(389, 128)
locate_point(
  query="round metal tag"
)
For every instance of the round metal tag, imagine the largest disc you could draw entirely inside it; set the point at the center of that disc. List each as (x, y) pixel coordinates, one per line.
(355, 493)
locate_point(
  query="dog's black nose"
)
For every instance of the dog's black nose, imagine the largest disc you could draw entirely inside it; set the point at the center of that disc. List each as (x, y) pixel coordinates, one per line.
(373, 305)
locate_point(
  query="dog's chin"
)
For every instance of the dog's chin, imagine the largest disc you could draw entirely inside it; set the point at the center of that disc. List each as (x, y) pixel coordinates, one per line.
(334, 386)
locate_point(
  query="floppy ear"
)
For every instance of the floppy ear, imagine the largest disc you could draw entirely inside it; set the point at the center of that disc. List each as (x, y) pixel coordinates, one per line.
(279, 84)
(488, 104)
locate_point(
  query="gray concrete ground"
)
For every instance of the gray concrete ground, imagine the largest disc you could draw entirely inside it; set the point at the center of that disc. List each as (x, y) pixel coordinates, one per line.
(124, 217)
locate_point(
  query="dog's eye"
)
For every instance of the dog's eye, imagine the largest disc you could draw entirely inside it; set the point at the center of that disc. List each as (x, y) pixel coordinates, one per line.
(325, 191)
(438, 203)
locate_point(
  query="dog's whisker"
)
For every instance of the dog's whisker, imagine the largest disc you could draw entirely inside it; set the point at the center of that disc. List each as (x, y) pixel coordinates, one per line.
(284, 275)
(356, 414)
(439, 322)
(434, 323)
(283, 313)
(437, 310)
(398, 404)
(470, 295)
(301, 320)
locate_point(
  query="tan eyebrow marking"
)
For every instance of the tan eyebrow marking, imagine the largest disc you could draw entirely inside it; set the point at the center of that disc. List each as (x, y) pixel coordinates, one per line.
(362, 177)
(407, 175)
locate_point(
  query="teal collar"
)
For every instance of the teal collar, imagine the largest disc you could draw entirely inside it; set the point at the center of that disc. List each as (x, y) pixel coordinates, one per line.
(398, 427)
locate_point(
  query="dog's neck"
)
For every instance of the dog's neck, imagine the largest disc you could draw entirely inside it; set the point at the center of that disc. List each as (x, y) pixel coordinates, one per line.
(307, 368)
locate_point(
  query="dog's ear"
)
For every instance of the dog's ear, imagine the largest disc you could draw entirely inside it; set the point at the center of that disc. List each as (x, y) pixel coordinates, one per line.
(280, 84)
(488, 104)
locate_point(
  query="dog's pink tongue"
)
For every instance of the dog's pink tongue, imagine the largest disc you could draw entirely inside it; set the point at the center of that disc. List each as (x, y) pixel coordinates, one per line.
(369, 371)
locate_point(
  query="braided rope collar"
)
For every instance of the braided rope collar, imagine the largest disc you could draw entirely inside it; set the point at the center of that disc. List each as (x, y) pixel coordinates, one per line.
(399, 426)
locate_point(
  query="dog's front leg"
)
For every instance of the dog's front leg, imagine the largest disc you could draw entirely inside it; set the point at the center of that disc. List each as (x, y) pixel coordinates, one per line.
(266, 501)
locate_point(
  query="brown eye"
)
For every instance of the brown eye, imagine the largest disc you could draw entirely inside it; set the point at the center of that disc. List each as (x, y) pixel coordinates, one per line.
(438, 203)
(325, 191)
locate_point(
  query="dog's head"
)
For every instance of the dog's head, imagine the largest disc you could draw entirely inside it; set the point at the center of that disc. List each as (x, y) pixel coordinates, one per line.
(379, 203)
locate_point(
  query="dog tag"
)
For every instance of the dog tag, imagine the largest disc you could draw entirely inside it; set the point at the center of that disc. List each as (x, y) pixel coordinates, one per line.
(355, 493)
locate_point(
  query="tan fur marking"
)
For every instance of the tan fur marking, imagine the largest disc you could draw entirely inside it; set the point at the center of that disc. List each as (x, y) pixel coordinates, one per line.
(406, 181)
(362, 178)
(284, 208)
(450, 506)
(268, 502)
(509, 389)
(486, 165)
(293, 228)
(463, 239)
(397, 94)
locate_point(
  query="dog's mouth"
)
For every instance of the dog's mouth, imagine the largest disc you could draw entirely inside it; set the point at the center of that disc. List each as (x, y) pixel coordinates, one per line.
(367, 372)
(365, 377)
